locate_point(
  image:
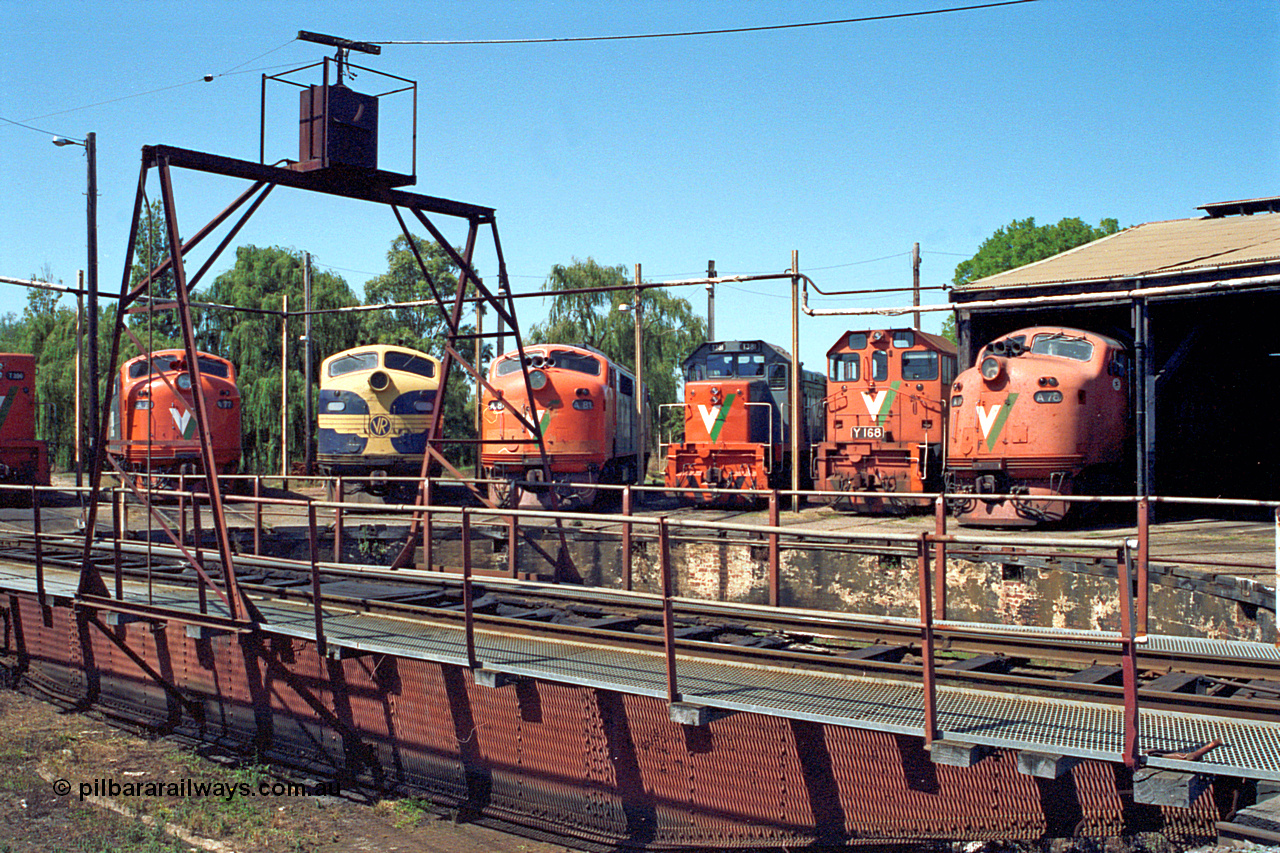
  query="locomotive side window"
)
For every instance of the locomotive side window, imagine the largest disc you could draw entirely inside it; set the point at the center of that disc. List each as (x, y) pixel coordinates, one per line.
(576, 362)
(507, 365)
(777, 376)
(1119, 364)
(844, 367)
(1076, 349)
(948, 369)
(857, 340)
(410, 363)
(904, 339)
(919, 365)
(213, 367)
(696, 372)
(879, 366)
(353, 362)
(626, 385)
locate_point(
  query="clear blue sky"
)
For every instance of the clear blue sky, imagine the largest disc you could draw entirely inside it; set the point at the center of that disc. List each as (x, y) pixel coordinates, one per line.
(847, 143)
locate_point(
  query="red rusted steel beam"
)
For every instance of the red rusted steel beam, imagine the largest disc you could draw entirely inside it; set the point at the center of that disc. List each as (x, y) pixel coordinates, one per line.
(313, 551)
(337, 523)
(668, 612)
(626, 538)
(513, 546)
(940, 560)
(468, 614)
(775, 556)
(257, 515)
(1128, 656)
(928, 681)
(35, 527)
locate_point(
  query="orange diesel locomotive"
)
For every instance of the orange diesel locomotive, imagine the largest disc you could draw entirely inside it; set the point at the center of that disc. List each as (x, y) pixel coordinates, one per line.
(1045, 412)
(153, 419)
(23, 460)
(738, 421)
(586, 406)
(886, 415)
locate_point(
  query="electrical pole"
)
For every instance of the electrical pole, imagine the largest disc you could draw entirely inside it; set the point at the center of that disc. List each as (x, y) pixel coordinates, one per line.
(91, 267)
(797, 422)
(308, 455)
(640, 408)
(915, 282)
(711, 301)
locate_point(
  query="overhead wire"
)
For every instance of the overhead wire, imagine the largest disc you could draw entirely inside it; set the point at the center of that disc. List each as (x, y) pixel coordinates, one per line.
(715, 32)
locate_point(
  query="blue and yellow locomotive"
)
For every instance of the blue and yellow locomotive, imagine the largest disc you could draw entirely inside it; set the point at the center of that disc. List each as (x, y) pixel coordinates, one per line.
(376, 404)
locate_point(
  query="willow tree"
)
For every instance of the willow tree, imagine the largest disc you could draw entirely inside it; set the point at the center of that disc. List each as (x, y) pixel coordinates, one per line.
(670, 328)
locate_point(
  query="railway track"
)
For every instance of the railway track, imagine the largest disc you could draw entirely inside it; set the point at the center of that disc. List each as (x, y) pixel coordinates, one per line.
(1232, 680)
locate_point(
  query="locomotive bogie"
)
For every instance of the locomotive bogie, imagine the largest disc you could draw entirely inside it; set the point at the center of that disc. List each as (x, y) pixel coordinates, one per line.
(1044, 412)
(584, 405)
(885, 410)
(375, 410)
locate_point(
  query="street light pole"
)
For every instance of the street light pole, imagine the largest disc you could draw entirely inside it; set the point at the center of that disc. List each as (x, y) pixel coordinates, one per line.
(640, 401)
(90, 145)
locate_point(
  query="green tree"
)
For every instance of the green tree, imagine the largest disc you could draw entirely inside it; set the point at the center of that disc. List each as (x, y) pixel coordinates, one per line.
(1022, 242)
(47, 331)
(424, 327)
(671, 329)
(260, 279)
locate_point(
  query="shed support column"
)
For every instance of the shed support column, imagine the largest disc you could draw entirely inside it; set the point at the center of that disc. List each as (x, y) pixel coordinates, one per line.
(1144, 391)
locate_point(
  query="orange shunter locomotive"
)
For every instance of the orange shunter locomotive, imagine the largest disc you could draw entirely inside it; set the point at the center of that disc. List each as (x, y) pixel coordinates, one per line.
(737, 422)
(886, 417)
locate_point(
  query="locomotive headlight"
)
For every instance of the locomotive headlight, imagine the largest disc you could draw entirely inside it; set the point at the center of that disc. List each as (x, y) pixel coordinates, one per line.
(537, 380)
(379, 380)
(991, 368)
(1048, 397)
(184, 381)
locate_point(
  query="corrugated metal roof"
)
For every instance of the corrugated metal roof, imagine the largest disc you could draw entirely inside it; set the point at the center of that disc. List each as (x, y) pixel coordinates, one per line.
(1155, 249)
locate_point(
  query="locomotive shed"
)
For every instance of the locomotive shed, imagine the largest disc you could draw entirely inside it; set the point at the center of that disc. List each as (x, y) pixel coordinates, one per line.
(789, 723)
(1192, 297)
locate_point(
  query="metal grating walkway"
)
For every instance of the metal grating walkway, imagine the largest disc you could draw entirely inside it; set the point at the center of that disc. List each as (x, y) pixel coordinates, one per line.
(1013, 721)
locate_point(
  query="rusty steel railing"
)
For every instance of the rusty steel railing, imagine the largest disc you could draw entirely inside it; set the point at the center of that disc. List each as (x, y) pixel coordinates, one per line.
(1131, 556)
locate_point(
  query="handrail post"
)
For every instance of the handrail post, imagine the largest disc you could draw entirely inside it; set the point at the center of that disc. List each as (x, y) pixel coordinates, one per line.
(427, 537)
(668, 610)
(468, 613)
(117, 501)
(940, 560)
(257, 515)
(337, 524)
(1128, 653)
(1277, 587)
(626, 537)
(513, 546)
(775, 559)
(1144, 552)
(182, 517)
(197, 543)
(313, 547)
(929, 686)
(35, 527)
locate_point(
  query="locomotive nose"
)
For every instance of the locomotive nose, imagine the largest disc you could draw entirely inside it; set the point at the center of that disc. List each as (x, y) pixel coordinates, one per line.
(379, 380)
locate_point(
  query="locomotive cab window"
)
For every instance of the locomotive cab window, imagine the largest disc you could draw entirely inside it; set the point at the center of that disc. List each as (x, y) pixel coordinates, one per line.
(353, 362)
(879, 366)
(904, 339)
(578, 362)
(409, 363)
(751, 365)
(919, 365)
(719, 365)
(844, 367)
(695, 372)
(777, 376)
(857, 340)
(1076, 349)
